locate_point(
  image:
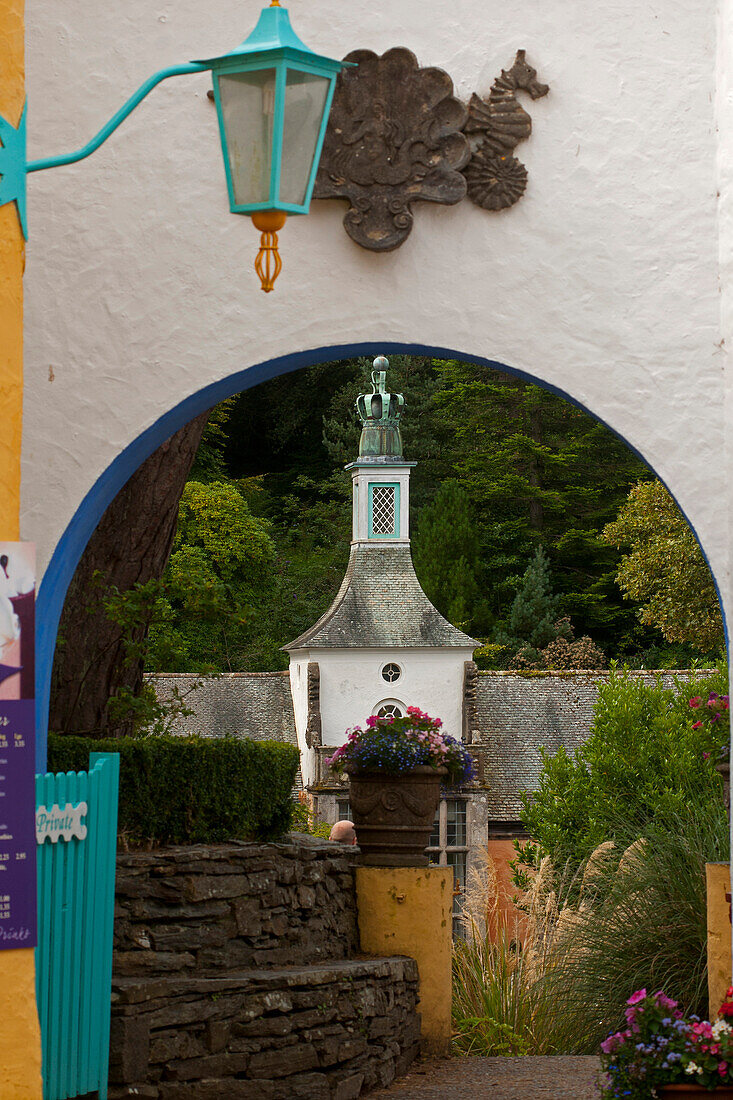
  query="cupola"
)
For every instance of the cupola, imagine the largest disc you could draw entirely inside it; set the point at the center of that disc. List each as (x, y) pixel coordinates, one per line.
(380, 475)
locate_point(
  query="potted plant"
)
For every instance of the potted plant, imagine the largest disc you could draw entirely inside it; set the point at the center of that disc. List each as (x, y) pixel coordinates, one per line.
(666, 1054)
(396, 766)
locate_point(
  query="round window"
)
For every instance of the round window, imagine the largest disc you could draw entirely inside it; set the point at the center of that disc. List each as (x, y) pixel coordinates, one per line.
(389, 710)
(391, 672)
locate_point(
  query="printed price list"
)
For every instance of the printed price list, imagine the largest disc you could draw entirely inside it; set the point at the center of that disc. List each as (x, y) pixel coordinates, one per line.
(17, 824)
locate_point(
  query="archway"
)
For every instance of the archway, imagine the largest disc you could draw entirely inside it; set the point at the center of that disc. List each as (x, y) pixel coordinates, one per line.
(70, 546)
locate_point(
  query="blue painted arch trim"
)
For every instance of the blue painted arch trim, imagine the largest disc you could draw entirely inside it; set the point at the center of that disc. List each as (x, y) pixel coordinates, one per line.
(70, 546)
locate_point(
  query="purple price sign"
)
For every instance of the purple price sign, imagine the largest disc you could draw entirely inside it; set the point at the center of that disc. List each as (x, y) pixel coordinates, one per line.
(17, 746)
(17, 824)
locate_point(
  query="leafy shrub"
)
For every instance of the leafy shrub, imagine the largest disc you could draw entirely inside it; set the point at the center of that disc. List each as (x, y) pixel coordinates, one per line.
(304, 820)
(193, 789)
(643, 759)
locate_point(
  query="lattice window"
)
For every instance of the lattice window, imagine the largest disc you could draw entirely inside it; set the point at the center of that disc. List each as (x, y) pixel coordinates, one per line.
(391, 672)
(383, 510)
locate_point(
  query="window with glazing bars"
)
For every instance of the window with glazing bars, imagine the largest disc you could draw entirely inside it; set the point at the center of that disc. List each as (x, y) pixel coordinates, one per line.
(448, 847)
(343, 809)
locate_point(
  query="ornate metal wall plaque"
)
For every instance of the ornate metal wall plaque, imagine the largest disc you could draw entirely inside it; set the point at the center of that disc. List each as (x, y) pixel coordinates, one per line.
(394, 139)
(496, 180)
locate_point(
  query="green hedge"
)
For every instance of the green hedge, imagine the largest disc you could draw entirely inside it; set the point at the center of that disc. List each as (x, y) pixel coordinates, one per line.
(193, 789)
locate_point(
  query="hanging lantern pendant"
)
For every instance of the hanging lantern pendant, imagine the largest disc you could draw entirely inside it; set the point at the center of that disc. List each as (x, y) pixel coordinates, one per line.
(268, 264)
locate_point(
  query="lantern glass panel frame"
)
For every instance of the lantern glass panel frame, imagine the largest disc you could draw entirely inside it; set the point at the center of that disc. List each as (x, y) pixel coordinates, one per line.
(237, 155)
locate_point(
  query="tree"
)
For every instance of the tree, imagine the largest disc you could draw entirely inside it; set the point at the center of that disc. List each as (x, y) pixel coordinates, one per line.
(534, 610)
(643, 760)
(221, 561)
(539, 470)
(94, 660)
(446, 557)
(665, 570)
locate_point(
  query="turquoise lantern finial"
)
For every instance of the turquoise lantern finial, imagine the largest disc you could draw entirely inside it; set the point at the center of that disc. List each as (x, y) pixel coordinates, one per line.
(380, 413)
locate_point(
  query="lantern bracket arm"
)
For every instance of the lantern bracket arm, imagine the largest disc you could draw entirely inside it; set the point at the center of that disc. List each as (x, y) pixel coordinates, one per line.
(14, 165)
(118, 118)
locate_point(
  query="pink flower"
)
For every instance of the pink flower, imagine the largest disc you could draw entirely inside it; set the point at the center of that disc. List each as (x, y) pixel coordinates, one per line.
(636, 997)
(705, 755)
(695, 701)
(722, 1068)
(609, 1045)
(696, 725)
(371, 720)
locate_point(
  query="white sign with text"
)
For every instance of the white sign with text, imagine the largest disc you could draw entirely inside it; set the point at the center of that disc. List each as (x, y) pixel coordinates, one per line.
(61, 824)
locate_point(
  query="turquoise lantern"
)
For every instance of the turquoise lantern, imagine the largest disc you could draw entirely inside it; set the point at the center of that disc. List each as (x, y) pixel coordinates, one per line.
(273, 96)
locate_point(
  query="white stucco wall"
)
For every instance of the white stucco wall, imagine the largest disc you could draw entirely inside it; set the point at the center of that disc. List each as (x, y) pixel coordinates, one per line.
(602, 281)
(352, 685)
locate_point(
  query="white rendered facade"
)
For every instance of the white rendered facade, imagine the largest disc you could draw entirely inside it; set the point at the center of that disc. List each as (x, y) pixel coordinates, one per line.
(611, 281)
(352, 687)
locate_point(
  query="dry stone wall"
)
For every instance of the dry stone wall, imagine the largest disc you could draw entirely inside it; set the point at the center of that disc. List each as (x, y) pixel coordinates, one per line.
(207, 909)
(234, 977)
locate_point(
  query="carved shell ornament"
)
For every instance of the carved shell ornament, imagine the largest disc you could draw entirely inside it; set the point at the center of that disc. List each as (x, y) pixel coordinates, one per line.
(394, 138)
(397, 136)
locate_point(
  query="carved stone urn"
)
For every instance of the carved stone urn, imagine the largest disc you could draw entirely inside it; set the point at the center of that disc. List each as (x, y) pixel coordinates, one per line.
(393, 814)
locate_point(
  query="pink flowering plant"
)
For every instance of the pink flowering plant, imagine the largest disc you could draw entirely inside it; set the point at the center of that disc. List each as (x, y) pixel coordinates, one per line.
(712, 718)
(661, 1046)
(396, 744)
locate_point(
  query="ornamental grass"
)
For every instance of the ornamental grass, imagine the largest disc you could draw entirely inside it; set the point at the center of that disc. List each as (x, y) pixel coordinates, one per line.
(556, 979)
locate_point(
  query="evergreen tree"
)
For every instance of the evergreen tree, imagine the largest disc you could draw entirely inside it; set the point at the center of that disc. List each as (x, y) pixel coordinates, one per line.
(446, 557)
(533, 618)
(537, 469)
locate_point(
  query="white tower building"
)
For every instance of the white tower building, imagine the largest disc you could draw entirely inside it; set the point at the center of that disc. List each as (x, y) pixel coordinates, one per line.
(381, 646)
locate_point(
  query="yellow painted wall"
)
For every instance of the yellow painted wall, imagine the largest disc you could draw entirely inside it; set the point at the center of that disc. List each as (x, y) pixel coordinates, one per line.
(20, 1040)
(719, 934)
(408, 911)
(12, 259)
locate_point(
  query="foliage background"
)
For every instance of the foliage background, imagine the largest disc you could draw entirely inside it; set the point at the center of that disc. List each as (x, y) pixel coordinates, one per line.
(504, 469)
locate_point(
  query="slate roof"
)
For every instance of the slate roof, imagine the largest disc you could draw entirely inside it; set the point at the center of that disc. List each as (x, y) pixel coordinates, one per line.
(257, 705)
(519, 714)
(380, 604)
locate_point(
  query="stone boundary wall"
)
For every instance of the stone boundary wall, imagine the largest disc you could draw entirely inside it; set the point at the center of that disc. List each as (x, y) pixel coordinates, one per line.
(233, 977)
(325, 1032)
(211, 909)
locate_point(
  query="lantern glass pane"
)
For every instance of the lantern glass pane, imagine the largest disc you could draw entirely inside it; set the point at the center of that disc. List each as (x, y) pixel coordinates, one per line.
(248, 111)
(305, 102)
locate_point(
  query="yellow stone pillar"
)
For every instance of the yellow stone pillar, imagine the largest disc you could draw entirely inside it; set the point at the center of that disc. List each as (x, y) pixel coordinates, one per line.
(719, 934)
(408, 911)
(20, 1039)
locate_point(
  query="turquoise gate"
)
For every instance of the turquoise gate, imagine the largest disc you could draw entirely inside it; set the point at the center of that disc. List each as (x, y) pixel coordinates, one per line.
(76, 883)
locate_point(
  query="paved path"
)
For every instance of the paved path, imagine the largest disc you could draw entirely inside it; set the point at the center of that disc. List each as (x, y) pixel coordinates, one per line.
(558, 1078)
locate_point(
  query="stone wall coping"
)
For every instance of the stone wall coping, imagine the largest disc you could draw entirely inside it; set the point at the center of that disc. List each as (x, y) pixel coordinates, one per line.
(296, 846)
(218, 676)
(136, 990)
(589, 673)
